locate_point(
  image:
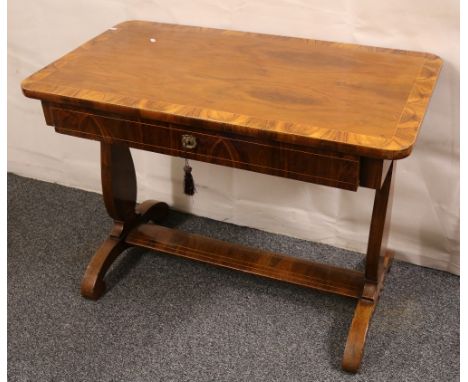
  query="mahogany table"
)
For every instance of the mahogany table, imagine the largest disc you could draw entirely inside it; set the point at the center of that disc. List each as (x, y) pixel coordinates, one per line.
(335, 114)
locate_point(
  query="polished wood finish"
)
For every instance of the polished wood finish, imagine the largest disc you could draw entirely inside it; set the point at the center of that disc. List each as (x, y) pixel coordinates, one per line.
(119, 193)
(378, 262)
(372, 172)
(380, 222)
(297, 271)
(273, 158)
(328, 113)
(340, 97)
(93, 285)
(354, 349)
(118, 179)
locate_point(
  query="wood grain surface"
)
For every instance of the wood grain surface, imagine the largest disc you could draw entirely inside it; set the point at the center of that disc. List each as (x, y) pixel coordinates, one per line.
(357, 335)
(328, 113)
(346, 282)
(347, 98)
(273, 158)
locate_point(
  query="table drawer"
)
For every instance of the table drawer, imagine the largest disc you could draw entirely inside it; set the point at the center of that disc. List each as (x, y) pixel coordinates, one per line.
(274, 158)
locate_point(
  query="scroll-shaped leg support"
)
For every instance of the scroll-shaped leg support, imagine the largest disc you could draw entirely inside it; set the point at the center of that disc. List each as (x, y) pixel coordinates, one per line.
(378, 262)
(119, 190)
(93, 285)
(354, 349)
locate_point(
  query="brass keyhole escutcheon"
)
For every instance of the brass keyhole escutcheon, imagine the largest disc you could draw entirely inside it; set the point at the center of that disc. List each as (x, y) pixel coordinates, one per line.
(189, 141)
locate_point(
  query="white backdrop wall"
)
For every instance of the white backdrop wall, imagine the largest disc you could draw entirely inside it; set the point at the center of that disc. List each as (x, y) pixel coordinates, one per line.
(425, 220)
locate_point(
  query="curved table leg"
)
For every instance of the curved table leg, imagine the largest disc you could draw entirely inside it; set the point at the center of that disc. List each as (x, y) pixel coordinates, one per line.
(119, 189)
(378, 262)
(354, 349)
(93, 285)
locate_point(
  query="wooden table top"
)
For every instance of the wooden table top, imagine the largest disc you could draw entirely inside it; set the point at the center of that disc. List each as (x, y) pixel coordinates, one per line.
(342, 97)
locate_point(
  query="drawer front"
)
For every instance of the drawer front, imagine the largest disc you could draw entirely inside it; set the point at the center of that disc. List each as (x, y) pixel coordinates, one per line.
(337, 170)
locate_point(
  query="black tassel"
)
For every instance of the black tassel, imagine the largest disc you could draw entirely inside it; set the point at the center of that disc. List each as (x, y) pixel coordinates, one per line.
(189, 185)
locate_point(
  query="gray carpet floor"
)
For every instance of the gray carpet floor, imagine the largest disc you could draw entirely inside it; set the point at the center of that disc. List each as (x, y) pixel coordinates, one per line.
(169, 319)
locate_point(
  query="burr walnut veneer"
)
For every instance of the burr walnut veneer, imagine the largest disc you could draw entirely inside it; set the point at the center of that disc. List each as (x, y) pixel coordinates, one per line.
(335, 114)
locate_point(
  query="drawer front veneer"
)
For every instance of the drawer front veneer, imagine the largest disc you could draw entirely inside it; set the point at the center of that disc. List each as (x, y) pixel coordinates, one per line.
(296, 162)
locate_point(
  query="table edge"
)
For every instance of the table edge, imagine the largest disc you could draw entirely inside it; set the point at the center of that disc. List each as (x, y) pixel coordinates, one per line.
(398, 146)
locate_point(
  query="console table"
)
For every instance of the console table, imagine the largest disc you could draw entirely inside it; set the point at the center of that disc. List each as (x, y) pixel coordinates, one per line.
(330, 113)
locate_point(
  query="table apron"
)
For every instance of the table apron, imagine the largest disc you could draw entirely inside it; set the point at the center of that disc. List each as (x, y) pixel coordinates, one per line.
(273, 158)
